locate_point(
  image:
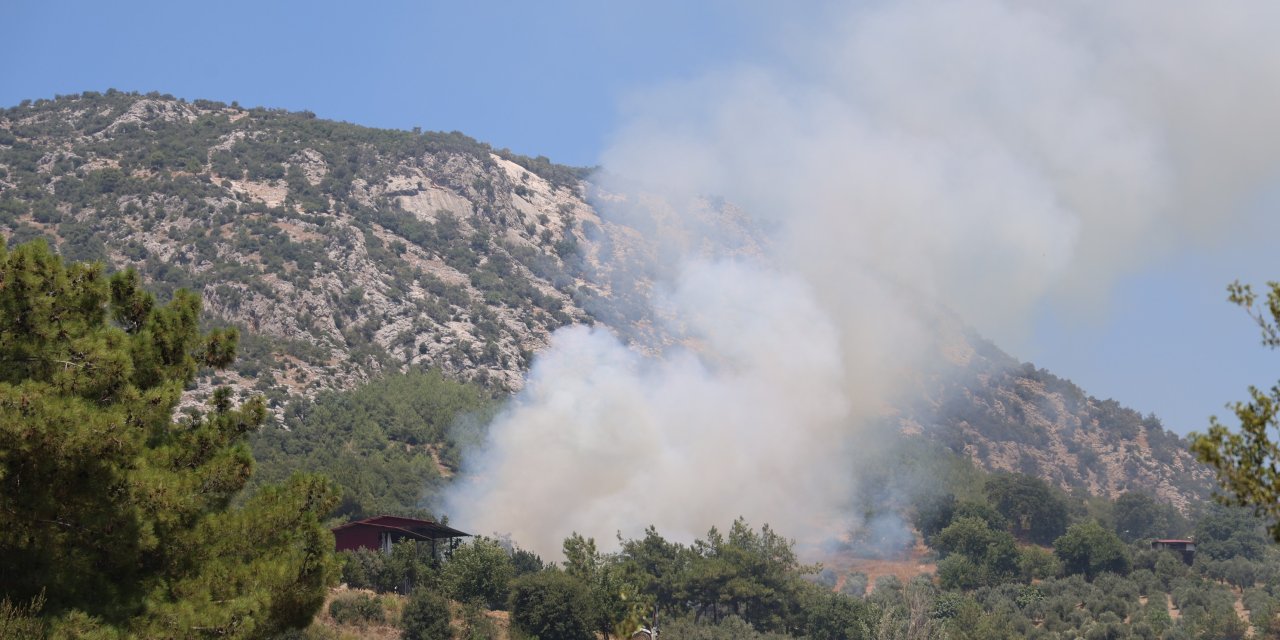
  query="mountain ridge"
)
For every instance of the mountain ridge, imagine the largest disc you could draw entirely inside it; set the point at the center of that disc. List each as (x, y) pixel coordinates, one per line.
(346, 252)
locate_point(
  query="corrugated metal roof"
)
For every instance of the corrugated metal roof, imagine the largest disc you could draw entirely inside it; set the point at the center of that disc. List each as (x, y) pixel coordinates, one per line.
(412, 527)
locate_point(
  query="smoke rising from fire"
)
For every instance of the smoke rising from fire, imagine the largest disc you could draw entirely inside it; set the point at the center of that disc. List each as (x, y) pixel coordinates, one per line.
(983, 155)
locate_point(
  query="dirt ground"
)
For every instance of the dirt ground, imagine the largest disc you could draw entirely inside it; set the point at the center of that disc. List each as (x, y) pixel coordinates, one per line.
(389, 629)
(916, 562)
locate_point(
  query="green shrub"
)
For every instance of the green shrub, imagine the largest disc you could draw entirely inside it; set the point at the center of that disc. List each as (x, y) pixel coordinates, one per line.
(832, 616)
(480, 570)
(475, 624)
(409, 563)
(425, 617)
(1035, 563)
(21, 620)
(1089, 549)
(728, 628)
(526, 562)
(855, 584)
(552, 606)
(957, 571)
(356, 609)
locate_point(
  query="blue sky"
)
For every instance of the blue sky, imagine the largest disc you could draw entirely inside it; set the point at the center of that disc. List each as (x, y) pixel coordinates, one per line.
(538, 78)
(1167, 342)
(547, 78)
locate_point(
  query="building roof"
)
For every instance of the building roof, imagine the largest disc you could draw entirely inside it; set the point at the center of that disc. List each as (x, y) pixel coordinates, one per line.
(1174, 541)
(409, 527)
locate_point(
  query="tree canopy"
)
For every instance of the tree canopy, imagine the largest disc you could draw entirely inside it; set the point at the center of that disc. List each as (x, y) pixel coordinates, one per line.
(987, 556)
(1248, 462)
(398, 436)
(1034, 510)
(1140, 516)
(114, 516)
(1090, 549)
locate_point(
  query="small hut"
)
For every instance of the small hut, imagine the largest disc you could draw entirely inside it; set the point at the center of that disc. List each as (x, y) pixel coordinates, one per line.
(1185, 547)
(381, 532)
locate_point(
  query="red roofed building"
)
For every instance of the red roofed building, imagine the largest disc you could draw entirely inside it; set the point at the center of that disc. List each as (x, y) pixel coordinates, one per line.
(380, 532)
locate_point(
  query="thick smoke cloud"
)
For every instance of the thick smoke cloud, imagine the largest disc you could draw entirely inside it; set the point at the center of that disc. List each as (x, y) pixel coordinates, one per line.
(603, 439)
(983, 156)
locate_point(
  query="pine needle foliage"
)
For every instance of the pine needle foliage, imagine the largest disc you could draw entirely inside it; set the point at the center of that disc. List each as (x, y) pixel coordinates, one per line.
(114, 516)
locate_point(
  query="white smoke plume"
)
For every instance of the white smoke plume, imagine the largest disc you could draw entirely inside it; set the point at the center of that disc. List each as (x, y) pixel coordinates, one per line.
(986, 155)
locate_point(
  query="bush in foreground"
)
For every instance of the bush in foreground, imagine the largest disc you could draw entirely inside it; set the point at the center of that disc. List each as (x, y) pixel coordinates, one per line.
(425, 617)
(551, 605)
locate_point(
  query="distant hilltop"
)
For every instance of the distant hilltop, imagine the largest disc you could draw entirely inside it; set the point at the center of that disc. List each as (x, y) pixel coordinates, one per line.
(344, 252)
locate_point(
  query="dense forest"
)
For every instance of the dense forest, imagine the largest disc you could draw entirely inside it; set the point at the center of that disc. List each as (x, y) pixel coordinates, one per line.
(116, 519)
(1080, 572)
(1013, 555)
(389, 446)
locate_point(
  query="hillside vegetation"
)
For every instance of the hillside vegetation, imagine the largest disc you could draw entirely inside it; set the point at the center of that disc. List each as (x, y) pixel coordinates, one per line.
(1080, 578)
(353, 249)
(345, 254)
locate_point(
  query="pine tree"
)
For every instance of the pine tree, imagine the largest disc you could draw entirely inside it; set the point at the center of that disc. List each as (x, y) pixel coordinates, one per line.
(115, 515)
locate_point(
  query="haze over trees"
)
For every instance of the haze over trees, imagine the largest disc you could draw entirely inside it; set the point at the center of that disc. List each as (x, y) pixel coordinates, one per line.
(1034, 511)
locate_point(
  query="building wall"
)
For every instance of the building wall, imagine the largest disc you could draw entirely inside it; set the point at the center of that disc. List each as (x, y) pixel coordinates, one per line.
(357, 537)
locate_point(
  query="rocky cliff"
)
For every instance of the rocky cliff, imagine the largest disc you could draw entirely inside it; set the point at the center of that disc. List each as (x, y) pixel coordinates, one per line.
(344, 251)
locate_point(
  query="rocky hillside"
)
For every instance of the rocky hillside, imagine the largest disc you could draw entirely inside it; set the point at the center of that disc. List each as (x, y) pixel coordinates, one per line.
(344, 251)
(1011, 416)
(348, 249)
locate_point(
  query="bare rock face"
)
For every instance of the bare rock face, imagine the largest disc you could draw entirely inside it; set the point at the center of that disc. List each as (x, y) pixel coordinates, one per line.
(343, 252)
(1010, 416)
